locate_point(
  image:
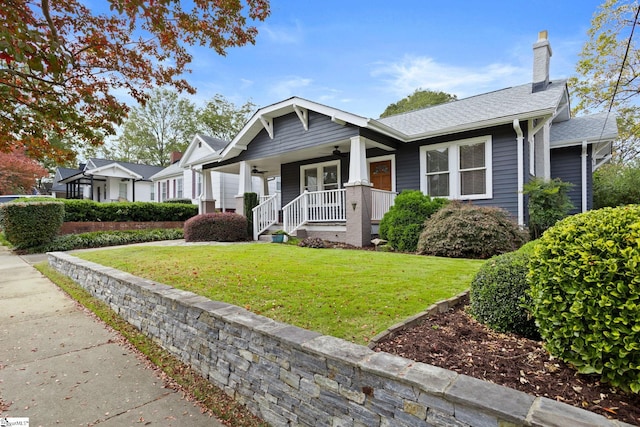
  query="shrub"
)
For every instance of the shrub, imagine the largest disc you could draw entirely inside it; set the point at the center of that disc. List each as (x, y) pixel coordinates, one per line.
(183, 201)
(88, 210)
(498, 295)
(312, 242)
(216, 227)
(548, 203)
(462, 230)
(31, 224)
(402, 224)
(99, 239)
(616, 185)
(585, 291)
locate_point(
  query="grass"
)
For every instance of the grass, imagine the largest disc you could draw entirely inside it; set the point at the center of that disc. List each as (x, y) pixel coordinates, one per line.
(348, 294)
(220, 404)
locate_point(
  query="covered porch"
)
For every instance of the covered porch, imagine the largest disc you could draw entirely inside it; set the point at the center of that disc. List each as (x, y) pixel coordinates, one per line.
(332, 191)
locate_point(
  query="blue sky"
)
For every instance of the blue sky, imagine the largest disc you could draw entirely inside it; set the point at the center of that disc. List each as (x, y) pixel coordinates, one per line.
(360, 56)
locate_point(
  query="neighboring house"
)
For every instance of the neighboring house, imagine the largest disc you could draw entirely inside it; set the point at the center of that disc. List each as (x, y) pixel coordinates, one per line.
(185, 179)
(107, 181)
(340, 172)
(58, 189)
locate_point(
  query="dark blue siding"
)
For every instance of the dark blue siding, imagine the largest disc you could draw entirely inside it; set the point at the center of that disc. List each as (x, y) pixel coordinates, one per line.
(290, 176)
(504, 159)
(566, 164)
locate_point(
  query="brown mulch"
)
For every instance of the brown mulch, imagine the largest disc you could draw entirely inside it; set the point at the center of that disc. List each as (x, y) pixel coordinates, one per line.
(455, 341)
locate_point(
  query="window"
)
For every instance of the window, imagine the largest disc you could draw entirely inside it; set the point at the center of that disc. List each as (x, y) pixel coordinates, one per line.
(320, 176)
(163, 193)
(198, 185)
(122, 190)
(153, 192)
(180, 188)
(457, 170)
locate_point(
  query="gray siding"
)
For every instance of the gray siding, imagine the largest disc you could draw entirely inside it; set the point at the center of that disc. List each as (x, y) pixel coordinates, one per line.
(566, 164)
(504, 159)
(290, 135)
(290, 176)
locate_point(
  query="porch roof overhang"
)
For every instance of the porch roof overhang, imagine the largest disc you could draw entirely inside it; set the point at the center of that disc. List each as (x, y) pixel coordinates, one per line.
(114, 170)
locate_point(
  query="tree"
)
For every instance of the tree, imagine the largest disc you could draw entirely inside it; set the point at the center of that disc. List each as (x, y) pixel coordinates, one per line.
(61, 64)
(420, 98)
(19, 173)
(223, 119)
(606, 68)
(164, 124)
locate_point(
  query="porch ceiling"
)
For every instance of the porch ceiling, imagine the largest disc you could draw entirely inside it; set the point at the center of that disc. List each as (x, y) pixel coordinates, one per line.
(272, 164)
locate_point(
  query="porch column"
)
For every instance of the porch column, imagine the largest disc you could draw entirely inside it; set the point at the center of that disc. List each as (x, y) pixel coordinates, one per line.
(265, 185)
(207, 202)
(244, 186)
(358, 171)
(358, 213)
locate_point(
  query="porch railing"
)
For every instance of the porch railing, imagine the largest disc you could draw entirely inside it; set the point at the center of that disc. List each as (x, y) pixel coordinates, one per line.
(317, 206)
(265, 215)
(381, 201)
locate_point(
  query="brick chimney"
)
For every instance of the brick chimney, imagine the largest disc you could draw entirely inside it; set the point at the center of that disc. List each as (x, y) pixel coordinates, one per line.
(175, 156)
(541, 58)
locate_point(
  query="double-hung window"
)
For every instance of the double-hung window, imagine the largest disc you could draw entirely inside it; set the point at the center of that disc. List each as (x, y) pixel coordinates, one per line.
(457, 170)
(163, 194)
(180, 191)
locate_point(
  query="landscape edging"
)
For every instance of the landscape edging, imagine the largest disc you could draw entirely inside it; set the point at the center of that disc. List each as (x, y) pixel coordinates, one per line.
(291, 376)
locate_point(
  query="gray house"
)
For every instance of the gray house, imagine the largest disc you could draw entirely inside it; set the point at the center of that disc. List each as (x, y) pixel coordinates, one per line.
(340, 172)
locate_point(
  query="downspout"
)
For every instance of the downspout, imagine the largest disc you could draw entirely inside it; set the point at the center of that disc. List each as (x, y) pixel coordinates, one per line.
(520, 163)
(584, 176)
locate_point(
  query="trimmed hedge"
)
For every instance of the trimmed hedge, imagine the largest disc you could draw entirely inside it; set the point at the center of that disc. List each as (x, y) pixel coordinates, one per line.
(585, 291)
(99, 239)
(31, 224)
(498, 295)
(402, 224)
(216, 227)
(89, 210)
(462, 230)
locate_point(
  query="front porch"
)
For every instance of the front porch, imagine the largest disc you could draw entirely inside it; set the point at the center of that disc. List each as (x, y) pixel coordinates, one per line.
(323, 214)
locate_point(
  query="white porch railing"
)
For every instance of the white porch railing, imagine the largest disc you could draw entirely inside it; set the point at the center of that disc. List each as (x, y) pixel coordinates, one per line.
(265, 214)
(381, 201)
(317, 206)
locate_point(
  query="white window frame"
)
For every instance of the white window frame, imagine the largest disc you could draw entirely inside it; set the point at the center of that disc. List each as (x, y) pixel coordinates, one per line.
(163, 191)
(123, 190)
(319, 167)
(454, 167)
(180, 190)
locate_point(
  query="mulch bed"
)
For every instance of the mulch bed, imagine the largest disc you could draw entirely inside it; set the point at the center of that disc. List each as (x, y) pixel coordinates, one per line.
(455, 341)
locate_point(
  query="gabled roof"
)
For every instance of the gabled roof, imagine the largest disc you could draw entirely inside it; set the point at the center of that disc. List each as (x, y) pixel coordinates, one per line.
(488, 109)
(592, 128)
(169, 171)
(61, 174)
(212, 148)
(142, 171)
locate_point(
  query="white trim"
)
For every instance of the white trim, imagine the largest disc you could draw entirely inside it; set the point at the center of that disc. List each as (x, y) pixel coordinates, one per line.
(521, 166)
(584, 175)
(303, 115)
(267, 124)
(319, 166)
(391, 157)
(454, 167)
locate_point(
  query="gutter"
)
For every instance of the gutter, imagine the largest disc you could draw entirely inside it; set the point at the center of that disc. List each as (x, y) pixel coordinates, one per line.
(520, 163)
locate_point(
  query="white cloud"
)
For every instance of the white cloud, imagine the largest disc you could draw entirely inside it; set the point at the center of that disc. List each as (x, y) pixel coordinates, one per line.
(290, 86)
(282, 34)
(403, 77)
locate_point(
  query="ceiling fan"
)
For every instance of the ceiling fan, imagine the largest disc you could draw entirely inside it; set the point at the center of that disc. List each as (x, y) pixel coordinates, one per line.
(256, 171)
(336, 152)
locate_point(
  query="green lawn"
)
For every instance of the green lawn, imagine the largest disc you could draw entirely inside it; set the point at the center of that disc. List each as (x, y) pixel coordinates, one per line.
(344, 293)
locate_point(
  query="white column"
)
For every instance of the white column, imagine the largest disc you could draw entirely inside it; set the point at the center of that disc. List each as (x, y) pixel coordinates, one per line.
(358, 171)
(244, 183)
(546, 135)
(584, 176)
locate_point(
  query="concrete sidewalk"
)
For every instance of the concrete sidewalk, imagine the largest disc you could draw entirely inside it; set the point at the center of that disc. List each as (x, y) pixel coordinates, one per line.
(60, 366)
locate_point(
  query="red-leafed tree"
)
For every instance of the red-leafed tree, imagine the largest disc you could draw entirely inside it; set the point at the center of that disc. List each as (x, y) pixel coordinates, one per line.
(61, 63)
(19, 173)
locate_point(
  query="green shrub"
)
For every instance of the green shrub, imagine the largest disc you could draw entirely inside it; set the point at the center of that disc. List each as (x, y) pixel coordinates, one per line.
(498, 295)
(99, 239)
(548, 203)
(616, 185)
(183, 201)
(216, 227)
(402, 224)
(251, 200)
(31, 224)
(585, 290)
(462, 230)
(88, 210)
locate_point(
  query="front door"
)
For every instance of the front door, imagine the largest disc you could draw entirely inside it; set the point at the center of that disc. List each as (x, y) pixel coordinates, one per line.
(380, 175)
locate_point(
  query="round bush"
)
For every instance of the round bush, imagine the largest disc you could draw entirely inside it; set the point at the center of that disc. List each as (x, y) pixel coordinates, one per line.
(216, 227)
(499, 291)
(585, 291)
(402, 224)
(462, 230)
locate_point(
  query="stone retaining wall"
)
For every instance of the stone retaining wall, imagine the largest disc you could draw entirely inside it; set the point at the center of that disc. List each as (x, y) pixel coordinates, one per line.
(73, 227)
(290, 376)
